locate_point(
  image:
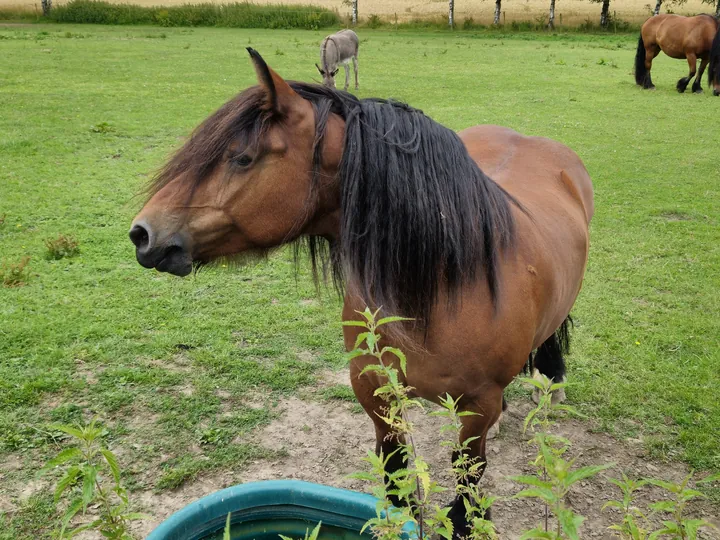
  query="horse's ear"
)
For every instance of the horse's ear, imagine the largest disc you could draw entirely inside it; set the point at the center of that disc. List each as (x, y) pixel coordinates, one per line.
(278, 91)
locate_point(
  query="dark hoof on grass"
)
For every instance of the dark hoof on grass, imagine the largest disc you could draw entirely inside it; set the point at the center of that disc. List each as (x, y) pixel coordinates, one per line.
(716, 93)
(697, 90)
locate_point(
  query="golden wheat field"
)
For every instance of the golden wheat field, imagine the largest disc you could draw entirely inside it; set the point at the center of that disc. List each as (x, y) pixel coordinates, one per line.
(568, 12)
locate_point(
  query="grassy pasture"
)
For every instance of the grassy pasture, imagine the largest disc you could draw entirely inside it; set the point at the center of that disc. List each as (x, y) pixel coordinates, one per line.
(568, 12)
(183, 371)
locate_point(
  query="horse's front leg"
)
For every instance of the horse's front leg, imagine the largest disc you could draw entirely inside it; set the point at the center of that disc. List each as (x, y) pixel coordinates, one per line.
(487, 409)
(692, 64)
(387, 442)
(697, 85)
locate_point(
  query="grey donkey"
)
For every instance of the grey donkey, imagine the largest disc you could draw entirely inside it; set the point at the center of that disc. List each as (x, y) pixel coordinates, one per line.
(336, 49)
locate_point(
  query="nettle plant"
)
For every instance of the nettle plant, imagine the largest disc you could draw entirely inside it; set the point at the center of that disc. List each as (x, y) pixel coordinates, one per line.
(91, 479)
(555, 475)
(412, 487)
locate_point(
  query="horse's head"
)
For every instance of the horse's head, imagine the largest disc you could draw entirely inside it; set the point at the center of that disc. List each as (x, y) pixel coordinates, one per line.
(328, 76)
(243, 183)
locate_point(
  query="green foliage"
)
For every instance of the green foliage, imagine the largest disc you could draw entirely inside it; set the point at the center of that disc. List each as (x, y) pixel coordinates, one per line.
(555, 475)
(634, 522)
(91, 477)
(413, 485)
(308, 535)
(679, 526)
(63, 246)
(234, 15)
(15, 274)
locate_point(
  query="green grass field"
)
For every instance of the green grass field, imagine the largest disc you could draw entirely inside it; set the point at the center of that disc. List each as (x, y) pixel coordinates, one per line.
(171, 366)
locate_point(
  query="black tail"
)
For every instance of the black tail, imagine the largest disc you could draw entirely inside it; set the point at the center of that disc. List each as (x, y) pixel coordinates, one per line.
(640, 70)
(550, 356)
(714, 65)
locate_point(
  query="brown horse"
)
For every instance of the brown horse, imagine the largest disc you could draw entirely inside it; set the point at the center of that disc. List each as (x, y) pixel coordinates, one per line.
(399, 209)
(680, 37)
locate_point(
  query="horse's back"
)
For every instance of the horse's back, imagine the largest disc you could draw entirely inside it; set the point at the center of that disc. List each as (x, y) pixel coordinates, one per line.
(678, 35)
(510, 159)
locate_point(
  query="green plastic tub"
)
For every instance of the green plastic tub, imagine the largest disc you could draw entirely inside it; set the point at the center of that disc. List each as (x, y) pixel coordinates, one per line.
(263, 510)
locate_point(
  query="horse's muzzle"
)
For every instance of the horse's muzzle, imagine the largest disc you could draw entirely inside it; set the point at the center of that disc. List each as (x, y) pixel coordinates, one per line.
(169, 256)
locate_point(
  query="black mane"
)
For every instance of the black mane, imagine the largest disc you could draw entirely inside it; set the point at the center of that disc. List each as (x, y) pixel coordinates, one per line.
(418, 216)
(419, 219)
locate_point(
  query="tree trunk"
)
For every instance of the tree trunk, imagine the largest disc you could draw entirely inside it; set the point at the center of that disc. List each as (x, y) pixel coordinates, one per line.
(551, 22)
(717, 9)
(604, 13)
(451, 14)
(657, 7)
(496, 20)
(46, 7)
(354, 12)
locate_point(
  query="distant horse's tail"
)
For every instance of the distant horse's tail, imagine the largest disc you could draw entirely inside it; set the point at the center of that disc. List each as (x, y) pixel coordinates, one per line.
(714, 65)
(550, 356)
(640, 69)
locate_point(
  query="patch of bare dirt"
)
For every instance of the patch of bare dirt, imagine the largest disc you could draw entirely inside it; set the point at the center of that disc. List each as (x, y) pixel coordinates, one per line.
(325, 442)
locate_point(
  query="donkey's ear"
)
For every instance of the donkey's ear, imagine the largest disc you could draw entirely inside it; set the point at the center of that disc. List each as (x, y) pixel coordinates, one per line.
(278, 91)
(320, 70)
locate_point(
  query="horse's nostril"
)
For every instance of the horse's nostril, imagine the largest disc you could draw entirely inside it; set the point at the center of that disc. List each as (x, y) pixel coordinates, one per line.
(139, 236)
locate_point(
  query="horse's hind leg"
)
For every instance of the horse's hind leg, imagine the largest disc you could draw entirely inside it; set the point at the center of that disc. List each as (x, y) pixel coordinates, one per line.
(697, 86)
(550, 360)
(487, 410)
(682, 83)
(355, 67)
(651, 51)
(346, 65)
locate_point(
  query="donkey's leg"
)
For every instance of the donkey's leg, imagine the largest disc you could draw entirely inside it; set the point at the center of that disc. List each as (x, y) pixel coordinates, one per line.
(651, 51)
(487, 409)
(355, 67)
(386, 442)
(697, 86)
(347, 75)
(692, 62)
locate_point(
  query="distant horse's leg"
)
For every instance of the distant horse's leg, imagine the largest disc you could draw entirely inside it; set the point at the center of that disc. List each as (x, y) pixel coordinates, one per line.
(346, 65)
(692, 62)
(488, 409)
(651, 51)
(697, 86)
(355, 66)
(550, 360)
(386, 441)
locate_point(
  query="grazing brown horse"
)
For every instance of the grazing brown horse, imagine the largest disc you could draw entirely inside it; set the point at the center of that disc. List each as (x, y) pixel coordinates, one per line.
(680, 37)
(487, 262)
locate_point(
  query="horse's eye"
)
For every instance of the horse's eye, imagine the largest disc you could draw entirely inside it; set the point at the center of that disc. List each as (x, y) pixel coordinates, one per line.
(243, 160)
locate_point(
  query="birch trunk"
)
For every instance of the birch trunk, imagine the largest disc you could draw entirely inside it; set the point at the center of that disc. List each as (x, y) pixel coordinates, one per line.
(354, 12)
(551, 23)
(496, 20)
(657, 7)
(451, 14)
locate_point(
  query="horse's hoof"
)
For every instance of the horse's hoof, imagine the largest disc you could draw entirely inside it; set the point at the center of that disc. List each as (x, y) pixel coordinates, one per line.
(649, 87)
(698, 91)
(716, 93)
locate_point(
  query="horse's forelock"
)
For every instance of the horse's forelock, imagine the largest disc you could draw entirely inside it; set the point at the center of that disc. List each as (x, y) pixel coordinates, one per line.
(240, 118)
